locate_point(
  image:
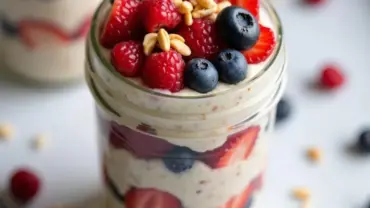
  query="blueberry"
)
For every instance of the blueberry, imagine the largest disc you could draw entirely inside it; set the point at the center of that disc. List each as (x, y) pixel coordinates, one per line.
(231, 66)
(364, 141)
(200, 75)
(179, 159)
(238, 28)
(283, 110)
(8, 28)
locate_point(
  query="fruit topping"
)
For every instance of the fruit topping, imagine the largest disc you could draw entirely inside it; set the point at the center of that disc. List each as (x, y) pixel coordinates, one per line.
(283, 110)
(164, 70)
(123, 23)
(232, 66)
(263, 48)
(364, 141)
(24, 185)
(150, 198)
(332, 77)
(238, 28)
(200, 75)
(128, 58)
(159, 14)
(241, 200)
(201, 37)
(252, 6)
(179, 159)
(237, 148)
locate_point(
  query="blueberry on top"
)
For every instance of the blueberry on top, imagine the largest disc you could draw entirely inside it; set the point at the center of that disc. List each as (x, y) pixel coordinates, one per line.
(231, 66)
(179, 159)
(200, 75)
(364, 141)
(238, 28)
(283, 110)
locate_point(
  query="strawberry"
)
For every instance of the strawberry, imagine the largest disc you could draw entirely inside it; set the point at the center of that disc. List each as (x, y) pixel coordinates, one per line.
(139, 144)
(263, 48)
(150, 198)
(127, 58)
(237, 148)
(164, 70)
(37, 33)
(241, 200)
(24, 185)
(252, 6)
(258, 182)
(159, 14)
(202, 38)
(332, 77)
(123, 23)
(83, 29)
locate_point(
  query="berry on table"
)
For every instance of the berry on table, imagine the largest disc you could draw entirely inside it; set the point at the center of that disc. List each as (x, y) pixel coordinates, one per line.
(200, 75)
(202, 38)
(283, 110)
(123, 23)
(24, 185)
(238, 28)
(164, 70)
(364, 141)
(331, 77)
(127, 58)
(179, 159)
(263, 48)
(159, 14)
(231, 66)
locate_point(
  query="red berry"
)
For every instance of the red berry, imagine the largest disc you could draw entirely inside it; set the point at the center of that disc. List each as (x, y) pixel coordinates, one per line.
(253, 6)
(202, 38)
(123, 23)
(150, 198)
(263, 48)
(159, 14)
(127, 58)
(314, 1)
(164, 70)
(331, 77)
(24, 185)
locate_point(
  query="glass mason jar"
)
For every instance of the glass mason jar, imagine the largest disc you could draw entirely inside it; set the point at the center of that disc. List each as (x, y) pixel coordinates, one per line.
(167, 151)
(44, 40)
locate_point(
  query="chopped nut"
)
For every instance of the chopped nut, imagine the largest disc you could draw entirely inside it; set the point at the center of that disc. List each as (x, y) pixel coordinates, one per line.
(207, 3)
(164, 40)
(301, 193)
(197, 8)
(39, 142)
(177, 37)
(177, 3)
(188, 19)
(314, 154)
(6, 131)
(180, 47)
(204, 12)
(222, 5)
(193, 2)
(185, 7)
(213, 17)
(149, 43)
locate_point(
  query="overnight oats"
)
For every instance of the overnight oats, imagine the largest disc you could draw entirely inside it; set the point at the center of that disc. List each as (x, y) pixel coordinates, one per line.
(44, 40)
(186, 93)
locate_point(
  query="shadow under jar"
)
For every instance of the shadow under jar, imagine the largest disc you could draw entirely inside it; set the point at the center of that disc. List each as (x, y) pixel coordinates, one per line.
(170, 151)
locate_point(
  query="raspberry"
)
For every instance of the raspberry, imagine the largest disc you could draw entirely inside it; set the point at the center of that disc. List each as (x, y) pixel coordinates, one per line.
(24, 185)
(164, 70)
(314, 2)
(127, 58)
(159, 14)
(202, 38)
(331, 77)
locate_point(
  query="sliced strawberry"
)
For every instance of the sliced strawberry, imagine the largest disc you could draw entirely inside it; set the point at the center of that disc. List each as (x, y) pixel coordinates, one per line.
(123, 23)
(83, 29)
(237, 148)
(258, 182)
(252, 6)
(36, 34)
(263, 48)
(150, 198)
(241, 200)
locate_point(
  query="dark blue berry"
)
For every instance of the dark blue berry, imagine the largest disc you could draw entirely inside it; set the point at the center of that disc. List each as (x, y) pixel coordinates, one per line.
(231, 66)
(179, 159)
(238, 28)
(283, 110)
(8, 28)
(200, 75)
(364, 141)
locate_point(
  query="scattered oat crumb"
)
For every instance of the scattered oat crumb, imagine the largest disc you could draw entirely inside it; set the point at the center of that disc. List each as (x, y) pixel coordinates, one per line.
(39, 142)
(6, 131)
(301, 193)
(314, 154)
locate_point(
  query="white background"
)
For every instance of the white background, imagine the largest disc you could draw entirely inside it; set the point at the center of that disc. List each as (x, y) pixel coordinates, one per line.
(337, 32)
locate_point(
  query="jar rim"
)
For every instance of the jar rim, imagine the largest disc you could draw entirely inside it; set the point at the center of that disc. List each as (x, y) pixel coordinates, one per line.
(97, 48)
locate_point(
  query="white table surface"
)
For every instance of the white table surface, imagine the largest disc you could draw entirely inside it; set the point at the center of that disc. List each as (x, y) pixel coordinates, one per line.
(336, 32)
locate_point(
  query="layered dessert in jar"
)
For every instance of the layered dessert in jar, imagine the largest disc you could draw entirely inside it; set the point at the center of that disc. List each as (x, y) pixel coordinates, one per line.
(45, 40)
(186, 93)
